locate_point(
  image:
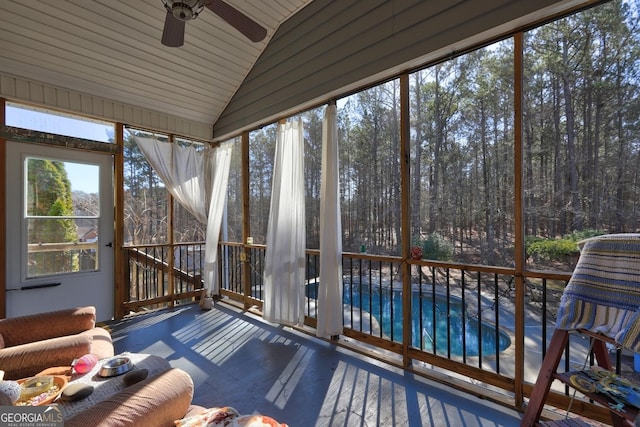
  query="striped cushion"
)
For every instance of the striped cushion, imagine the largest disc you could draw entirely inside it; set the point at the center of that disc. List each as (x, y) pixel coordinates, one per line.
(603, 294)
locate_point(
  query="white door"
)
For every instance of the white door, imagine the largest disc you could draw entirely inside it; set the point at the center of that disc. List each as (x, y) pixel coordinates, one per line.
(59, 230)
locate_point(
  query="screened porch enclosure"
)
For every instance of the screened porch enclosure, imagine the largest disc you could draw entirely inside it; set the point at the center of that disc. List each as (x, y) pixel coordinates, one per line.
(461, 317)
(493, 164)
(465, 185)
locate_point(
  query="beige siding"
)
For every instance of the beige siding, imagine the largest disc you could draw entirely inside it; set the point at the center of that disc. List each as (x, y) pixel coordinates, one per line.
(43, 95)
(331, 47)
(111, 51)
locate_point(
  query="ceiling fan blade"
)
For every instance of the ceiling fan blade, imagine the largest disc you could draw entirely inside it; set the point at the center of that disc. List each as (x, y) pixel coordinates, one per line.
(173, 32)
(238, 20)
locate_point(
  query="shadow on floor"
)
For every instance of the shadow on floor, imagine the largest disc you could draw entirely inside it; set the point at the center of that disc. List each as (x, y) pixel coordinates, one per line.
(236, 359)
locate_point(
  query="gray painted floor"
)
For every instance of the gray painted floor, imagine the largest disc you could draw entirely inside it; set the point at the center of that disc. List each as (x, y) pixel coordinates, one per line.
(236, 359)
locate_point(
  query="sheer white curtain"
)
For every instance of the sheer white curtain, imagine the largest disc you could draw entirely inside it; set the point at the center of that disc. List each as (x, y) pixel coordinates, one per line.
(284, 272)
(197, 179)
(330, 311)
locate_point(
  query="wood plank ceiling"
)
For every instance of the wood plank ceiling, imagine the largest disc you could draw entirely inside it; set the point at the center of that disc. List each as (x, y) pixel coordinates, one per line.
(111, 49)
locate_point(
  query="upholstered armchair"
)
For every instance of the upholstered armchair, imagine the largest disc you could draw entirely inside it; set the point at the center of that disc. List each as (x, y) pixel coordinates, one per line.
(30, 344)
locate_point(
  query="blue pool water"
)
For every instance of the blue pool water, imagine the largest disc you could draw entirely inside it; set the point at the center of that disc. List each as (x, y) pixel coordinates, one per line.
(437, 324)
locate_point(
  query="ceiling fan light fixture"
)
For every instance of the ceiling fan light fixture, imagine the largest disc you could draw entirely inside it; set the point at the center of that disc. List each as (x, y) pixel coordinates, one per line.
(184, 10)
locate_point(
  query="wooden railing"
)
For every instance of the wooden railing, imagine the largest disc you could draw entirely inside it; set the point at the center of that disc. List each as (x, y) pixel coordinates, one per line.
(162, 275)
(461, 317)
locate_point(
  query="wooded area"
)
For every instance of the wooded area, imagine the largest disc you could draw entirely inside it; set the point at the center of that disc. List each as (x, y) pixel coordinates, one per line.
(581, 133)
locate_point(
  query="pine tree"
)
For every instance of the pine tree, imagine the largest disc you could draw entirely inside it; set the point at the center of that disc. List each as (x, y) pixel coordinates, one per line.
(49, 197)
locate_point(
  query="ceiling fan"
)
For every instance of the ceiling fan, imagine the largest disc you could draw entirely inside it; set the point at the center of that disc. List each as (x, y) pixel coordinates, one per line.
(178, 12)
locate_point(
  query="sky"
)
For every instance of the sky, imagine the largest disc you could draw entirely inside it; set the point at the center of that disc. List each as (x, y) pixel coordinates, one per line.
(83, 177)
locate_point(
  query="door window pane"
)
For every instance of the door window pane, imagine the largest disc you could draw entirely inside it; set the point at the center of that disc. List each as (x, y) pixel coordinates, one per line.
(62, 214)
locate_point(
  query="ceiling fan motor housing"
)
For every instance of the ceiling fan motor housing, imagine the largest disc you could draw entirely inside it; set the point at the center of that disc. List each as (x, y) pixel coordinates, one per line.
(184, 10)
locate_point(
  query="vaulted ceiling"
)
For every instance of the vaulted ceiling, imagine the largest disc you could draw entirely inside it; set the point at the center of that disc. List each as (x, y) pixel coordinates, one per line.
(104, 58)
(111, 49)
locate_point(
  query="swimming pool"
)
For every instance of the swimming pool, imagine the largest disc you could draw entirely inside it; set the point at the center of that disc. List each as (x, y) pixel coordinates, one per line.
(438, 324)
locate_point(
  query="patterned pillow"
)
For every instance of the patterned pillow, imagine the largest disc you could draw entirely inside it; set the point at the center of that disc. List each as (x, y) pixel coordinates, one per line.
(256, 421)
(227, 417)
(210, 417)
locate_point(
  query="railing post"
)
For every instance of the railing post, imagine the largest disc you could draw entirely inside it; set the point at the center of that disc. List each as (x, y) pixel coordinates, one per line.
(170, 238)
(121, 258)
(126, 269)
(405, 219)
(518, 207)
(246, 222)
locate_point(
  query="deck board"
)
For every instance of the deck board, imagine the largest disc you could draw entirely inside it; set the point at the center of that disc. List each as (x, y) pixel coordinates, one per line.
(237, 359)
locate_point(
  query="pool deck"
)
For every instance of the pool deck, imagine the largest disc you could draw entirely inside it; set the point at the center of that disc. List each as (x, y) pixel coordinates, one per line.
(237, 359)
